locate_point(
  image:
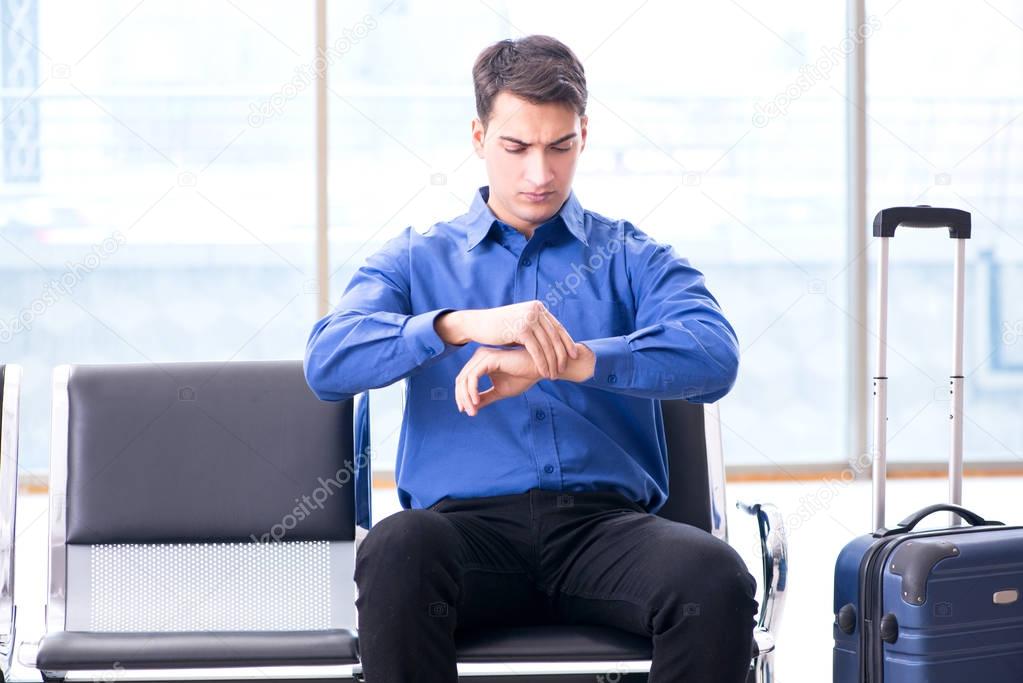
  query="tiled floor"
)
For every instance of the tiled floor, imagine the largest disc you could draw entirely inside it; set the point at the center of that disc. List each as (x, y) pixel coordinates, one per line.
(822, 517)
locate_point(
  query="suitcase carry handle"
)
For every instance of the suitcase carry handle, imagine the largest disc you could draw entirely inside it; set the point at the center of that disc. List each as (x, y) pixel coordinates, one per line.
(972, 518)
(923, 216)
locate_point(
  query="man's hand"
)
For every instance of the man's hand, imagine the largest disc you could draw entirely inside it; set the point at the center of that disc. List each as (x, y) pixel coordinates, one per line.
(512, 372)
(527, 324)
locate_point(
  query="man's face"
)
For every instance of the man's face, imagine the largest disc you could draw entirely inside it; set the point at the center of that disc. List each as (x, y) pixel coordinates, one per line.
(531, 151)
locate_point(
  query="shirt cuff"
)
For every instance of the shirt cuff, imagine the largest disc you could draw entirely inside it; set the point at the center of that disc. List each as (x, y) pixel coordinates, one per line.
(421, 336)
(613, 366)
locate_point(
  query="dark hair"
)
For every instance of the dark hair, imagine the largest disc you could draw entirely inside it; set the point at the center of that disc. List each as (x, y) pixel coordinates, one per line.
(537, 68)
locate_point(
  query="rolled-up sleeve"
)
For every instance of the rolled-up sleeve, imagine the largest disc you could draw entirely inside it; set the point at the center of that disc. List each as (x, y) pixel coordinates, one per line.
(682, 346)
(371, 339)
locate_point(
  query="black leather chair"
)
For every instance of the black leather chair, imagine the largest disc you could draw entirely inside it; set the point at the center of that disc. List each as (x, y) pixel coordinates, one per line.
(10, 400)
(571, 652)
(162, 479)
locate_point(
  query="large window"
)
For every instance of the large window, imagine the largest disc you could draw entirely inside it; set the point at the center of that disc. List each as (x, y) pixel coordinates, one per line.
(729, 145)
(946, 99)
(158, 187)
(158, 184)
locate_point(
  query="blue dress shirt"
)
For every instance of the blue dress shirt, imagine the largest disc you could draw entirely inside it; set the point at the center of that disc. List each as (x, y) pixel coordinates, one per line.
(654, 328)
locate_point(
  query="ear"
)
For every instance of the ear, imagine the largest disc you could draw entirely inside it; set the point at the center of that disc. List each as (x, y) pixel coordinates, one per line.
(478, 136)
(583, 120)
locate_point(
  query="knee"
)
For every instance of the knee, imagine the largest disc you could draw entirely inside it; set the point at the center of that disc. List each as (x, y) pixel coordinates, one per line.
(402, 546)
(715, 580)
(727, 583)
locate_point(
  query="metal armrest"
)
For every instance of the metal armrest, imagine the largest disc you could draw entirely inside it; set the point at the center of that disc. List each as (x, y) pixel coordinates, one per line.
(8, 497)
(774, 555)
(363, 462)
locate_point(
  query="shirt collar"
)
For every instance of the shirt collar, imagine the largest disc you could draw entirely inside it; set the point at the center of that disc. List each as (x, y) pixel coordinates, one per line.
(480, 218)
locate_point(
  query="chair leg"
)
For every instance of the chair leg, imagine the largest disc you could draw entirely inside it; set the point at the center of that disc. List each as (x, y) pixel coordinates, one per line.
(762, 669)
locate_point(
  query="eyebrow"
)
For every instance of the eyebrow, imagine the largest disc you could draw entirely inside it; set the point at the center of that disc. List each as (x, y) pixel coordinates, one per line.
(563, 138)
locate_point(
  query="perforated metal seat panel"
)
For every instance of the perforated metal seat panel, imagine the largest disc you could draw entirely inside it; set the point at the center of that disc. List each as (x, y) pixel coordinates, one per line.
(210, 587)
(198, 605)
(177, 587)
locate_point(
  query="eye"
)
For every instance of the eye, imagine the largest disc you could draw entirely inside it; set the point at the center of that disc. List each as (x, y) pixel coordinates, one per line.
(562, 149)
(515, 150)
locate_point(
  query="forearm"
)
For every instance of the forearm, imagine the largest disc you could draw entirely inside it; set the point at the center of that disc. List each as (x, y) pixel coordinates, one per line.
(349, 352)
(693, 360)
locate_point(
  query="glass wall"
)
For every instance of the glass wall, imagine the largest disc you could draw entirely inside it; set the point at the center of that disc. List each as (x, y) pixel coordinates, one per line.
(158, 188)
(944, 128)
(729, 145)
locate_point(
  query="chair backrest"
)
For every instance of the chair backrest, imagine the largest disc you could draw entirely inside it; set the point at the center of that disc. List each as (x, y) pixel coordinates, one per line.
(696, 479)
(10, 398)
(199, 496)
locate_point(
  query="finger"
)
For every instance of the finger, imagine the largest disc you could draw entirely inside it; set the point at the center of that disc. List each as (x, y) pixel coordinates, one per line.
(471, 382)
(549, 366)
(532, 345)
(547, 344)
(554, 339)
(458, 392)
(462, 387)
(474, 376)
(489, 396)
(566, 339)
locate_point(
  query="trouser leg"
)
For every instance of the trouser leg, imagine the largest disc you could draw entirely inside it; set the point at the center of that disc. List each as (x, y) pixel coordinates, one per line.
(423, 573)
(685, 588)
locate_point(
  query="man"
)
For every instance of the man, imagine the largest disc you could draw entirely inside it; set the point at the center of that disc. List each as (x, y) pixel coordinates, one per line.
(529, 500)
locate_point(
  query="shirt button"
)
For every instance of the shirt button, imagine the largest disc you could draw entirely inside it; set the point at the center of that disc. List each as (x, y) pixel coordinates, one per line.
(540, 415)
(548, 468)
(526, 261)
(612, 378)
(430, 351)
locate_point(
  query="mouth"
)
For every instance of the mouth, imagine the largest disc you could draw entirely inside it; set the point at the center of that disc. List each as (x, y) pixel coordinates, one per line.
(536, 197)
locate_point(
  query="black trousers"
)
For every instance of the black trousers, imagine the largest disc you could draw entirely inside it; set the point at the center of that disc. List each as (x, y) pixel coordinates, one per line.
(543, 557)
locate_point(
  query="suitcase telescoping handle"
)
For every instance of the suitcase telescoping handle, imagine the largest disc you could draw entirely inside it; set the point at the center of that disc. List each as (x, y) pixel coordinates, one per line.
(885, 223)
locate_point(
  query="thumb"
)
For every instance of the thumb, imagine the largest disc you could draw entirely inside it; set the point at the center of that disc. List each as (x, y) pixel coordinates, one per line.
(487, 397)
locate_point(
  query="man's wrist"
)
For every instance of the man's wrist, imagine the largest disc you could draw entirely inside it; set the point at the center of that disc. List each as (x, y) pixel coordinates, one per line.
(580, 369)
(449, 327)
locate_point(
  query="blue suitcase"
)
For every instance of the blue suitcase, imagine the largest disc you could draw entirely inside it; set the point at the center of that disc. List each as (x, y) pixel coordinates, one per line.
(943, 605)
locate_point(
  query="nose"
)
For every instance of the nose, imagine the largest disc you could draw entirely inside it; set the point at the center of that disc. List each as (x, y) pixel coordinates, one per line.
(539, 173)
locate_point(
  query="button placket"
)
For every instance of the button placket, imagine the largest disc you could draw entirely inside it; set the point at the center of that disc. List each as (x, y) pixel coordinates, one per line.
(543, 437)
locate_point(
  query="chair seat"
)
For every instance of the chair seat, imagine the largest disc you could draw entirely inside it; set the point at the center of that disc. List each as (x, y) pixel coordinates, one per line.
(77, 650)
(551, 643)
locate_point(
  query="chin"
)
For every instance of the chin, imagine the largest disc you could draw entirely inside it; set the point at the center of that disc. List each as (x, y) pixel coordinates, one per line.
(538, 214)
(543, 209)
